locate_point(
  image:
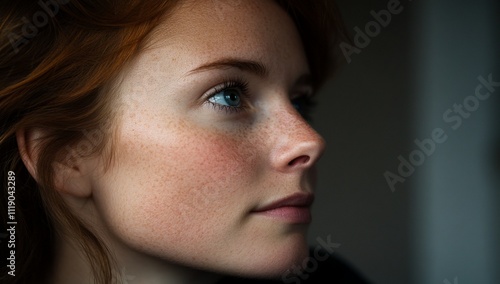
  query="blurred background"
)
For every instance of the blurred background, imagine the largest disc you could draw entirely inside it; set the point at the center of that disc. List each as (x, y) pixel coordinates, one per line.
(426, 69)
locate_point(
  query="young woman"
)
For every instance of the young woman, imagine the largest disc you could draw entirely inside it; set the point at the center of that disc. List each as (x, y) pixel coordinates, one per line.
(161, 141)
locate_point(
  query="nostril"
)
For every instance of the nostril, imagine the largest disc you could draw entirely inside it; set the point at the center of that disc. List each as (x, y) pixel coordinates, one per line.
(299, 160)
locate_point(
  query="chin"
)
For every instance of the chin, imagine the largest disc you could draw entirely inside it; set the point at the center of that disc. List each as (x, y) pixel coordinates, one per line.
(273, 262)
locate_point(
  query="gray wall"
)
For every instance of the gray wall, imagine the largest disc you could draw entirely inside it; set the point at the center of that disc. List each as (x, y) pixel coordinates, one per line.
(441, 224)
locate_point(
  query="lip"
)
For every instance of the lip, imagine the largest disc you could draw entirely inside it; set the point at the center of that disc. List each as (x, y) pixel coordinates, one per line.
(294, 208)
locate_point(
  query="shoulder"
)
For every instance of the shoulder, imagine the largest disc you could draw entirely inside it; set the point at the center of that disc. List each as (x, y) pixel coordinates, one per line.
(320, 267)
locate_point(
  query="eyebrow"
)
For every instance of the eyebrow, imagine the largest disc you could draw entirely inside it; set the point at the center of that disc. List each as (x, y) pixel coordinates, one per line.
(251, 66)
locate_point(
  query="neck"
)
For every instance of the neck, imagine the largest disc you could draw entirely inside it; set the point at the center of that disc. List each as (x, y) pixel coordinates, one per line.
(72, 267)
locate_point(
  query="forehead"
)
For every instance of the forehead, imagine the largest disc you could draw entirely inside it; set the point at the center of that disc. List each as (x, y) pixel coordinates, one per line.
(203, 30)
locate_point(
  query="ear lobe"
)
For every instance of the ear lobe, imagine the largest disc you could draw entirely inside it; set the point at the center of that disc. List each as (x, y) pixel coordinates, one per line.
(70, 176)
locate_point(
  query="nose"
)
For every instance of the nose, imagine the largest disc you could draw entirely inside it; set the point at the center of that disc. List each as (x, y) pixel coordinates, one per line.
(295, 144)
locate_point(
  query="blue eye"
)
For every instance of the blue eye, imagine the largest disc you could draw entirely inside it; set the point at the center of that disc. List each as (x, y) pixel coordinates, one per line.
(227, 97)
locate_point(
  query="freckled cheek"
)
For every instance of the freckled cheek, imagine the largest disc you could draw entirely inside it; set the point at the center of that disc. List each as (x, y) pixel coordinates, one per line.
(216, 174)
(187, 182)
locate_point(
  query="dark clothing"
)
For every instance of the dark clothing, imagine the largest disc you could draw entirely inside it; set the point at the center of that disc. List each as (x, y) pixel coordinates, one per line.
(331, 270)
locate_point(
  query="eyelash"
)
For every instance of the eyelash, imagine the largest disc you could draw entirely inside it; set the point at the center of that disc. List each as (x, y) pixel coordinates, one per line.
(307, 103)
(238, 84)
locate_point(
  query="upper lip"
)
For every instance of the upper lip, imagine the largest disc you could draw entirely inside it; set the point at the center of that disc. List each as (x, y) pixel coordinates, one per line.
(299, 199)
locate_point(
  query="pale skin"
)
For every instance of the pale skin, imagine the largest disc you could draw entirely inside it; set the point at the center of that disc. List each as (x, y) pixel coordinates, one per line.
(187, 173)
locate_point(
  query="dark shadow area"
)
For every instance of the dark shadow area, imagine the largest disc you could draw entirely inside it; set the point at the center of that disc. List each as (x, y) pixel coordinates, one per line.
(365, 115)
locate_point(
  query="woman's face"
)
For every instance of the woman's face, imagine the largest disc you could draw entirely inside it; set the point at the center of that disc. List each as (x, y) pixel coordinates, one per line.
(209, 138)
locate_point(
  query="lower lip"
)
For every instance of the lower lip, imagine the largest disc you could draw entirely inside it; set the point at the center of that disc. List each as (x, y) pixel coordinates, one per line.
(291, 214)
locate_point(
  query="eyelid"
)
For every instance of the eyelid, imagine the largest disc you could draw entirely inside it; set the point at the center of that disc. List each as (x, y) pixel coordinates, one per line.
(235, 83)
(227, 83)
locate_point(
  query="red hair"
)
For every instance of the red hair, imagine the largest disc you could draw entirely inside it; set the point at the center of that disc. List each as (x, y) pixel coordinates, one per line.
(57, 59)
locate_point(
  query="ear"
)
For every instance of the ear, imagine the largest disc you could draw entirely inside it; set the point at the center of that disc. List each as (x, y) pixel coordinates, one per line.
(28, 149)
(70, 175)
